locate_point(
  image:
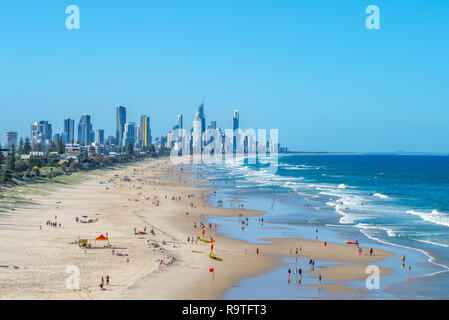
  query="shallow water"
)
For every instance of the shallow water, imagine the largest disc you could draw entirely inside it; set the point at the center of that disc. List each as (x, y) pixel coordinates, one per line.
(289, 216)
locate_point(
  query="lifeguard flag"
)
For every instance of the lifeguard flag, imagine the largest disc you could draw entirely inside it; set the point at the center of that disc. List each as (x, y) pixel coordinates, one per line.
(212, 270)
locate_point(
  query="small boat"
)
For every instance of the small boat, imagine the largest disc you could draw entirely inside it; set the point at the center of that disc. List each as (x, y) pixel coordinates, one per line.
(352, 242)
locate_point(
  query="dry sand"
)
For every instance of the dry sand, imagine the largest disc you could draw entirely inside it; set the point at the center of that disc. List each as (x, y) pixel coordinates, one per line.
(34, 256)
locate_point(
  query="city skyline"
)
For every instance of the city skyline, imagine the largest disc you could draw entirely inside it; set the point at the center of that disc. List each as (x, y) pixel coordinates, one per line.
(127, 132)
(310, 69)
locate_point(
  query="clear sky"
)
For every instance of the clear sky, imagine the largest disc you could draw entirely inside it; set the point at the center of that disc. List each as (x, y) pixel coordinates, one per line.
(309, 68)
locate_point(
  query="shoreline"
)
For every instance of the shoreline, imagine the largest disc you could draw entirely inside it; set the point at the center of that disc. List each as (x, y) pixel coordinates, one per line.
(423, 266)
(186, 277)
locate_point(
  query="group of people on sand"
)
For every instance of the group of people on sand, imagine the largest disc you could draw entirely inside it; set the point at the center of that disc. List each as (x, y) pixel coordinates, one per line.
(102, 284)
(53, 224)
(371, 251)
(193, 240)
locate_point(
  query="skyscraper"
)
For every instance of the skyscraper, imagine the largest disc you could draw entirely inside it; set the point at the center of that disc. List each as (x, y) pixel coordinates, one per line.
(180, 121)
(11, 139)
(235, 126)
(100, 136)
(145, 131)
(68, 135)
(199, 127)
(41, 133)
(85, 133)
(56, 139)
(180, 127)
(129, 134)
(199, 116)
(121, 121)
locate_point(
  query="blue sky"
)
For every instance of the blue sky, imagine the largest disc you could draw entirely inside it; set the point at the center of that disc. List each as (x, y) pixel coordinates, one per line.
(309, 68)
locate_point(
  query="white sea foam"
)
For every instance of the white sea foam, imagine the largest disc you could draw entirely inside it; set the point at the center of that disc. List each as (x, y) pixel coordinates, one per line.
(380, 195)
(389, 230)
(434, 216)
(350, 199)
(434, 243)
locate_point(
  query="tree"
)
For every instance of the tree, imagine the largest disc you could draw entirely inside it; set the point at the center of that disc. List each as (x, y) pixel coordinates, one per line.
(2, 157)
(27, 146)
(130, 150)
(52, 147)
(20, 150)
(5, 176)
(11, 161)
(37, 147)
(61, 147)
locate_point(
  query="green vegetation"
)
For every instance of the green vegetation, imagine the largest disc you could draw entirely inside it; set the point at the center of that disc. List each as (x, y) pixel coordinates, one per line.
(15, 171)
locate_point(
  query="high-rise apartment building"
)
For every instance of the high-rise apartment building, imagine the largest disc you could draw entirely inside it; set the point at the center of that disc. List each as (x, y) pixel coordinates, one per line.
(145, 131)
(68, 136)
(85, 133)
(11, 139)
(99, 136)
(41, 133)
(235, 126)
(121, 121)
(129, 134)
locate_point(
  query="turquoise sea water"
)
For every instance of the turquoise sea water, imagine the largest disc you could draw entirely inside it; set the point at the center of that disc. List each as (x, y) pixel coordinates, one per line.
(397, 203)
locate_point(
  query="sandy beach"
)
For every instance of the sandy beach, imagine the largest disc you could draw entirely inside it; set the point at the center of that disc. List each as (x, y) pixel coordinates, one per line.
(152, 195)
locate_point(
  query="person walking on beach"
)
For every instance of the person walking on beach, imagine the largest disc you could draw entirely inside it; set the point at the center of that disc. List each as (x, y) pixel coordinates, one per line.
(300, 275)
(107, 280)
(319, 278)
(371, 251)
(257, 251)
(102, 280)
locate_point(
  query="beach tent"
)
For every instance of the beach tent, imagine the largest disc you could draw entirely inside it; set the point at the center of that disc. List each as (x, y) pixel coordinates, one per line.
(101, 237)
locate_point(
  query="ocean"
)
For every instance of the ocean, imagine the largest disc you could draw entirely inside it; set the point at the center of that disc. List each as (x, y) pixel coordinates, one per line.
(395, 202)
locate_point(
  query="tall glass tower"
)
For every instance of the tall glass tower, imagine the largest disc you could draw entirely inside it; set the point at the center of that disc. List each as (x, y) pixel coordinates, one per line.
(121, 120)
(69, 131)
(235, 126)
(85, 132)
